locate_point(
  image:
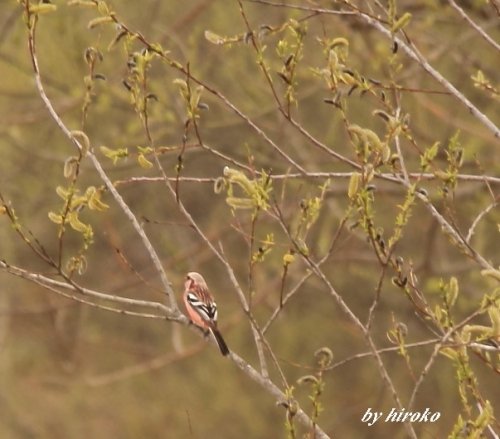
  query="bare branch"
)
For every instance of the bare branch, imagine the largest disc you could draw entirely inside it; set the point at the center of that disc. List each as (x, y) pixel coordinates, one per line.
(109, 185)
(47, 282)
(478, 218)
(270, 387)
(395, 178)
(410, 50)
(475, 26)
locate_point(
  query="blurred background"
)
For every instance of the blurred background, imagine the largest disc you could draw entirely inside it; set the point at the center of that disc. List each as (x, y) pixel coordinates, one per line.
(71, 371)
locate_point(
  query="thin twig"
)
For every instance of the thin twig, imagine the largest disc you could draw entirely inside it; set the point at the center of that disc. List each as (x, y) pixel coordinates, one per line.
(395, 178)
(477, 219)
(397, 141)
(352, 317)
(49, 282)
(484, 347)
(270, 387)
(489, 427)
(304, 278)
(410, 50)
(454, 235)
(102, 174)
(257, 334)
(475, 26)
(435, 353)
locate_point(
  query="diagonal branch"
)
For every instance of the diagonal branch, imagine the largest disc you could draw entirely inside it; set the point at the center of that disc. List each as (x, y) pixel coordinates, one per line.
(47, 282)
(409, 49)
(102, 174)
(475, 26)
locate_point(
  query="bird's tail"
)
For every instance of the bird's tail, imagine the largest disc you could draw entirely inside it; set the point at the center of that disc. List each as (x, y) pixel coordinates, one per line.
(224, 350)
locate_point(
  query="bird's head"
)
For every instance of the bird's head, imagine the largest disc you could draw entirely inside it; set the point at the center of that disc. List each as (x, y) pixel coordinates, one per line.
(194, 279)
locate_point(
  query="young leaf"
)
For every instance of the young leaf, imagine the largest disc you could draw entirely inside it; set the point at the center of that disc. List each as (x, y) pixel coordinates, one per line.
(144, 162)
(55, 218)
(401, 22)
(353, 185)
(42, 8)
(214, 38)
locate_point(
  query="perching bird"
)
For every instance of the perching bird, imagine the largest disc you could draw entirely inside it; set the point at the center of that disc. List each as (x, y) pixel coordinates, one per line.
(201, 307)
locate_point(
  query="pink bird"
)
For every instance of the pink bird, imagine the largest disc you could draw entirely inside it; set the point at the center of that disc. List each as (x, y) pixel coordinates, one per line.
(201, 308)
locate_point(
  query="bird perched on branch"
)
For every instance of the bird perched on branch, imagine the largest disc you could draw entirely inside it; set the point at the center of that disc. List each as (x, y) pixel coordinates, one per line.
(201, 308)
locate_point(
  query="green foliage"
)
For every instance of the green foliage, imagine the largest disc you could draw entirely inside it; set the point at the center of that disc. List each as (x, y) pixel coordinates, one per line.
(324, 358)
(256, 192)
(401, 22)
(310, 210)
(264, 249)
(290, 50)
(428, 156)
(473, 429)
(403, 216)
(73, 204)
(114, 154)
(481, 81)
(42, 8)
(141, 158)
(291, 410)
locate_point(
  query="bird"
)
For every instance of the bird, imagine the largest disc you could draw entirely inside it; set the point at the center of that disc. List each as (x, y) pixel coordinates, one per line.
(201, 308)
